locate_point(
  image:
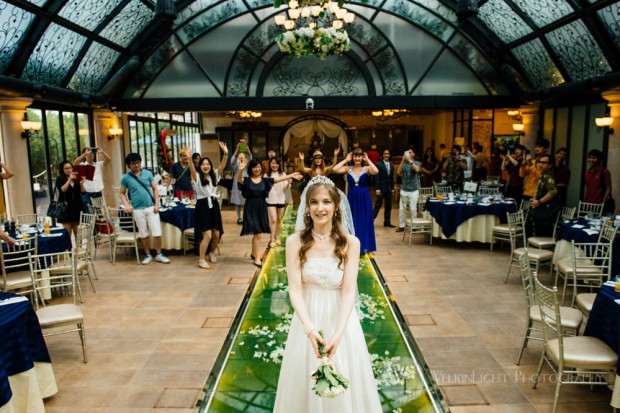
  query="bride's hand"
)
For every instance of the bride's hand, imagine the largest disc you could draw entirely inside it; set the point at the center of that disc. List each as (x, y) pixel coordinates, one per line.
(315, 338)
(332, 345)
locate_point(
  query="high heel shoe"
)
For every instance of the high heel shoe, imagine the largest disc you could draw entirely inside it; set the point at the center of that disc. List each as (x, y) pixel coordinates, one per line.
(203, 264)
(212, 258)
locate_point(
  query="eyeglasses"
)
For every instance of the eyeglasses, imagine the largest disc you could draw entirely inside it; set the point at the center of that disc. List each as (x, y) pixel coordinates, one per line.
(135, 163)
(543, 162)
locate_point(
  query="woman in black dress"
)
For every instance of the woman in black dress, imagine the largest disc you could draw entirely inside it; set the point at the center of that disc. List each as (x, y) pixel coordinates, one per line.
(70, 191)
(255, 188)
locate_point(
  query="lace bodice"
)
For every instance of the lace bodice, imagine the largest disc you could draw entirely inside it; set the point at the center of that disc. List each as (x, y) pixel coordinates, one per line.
(322, 273)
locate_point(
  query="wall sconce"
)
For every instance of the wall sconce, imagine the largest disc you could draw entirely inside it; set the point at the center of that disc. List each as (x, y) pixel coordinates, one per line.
(518, 128)
(513, 113)
(115, 133)
(605, 122)
(30, 127)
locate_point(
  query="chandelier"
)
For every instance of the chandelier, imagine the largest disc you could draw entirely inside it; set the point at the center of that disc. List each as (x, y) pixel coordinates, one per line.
(386, 114)
(245, 114)
(313, 27)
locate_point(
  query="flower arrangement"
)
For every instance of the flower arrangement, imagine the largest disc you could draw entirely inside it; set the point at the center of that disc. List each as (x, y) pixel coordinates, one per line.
(328, 382)
(320, 42)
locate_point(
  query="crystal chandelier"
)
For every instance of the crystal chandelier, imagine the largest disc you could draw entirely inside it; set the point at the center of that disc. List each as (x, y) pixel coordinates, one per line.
(305, 31)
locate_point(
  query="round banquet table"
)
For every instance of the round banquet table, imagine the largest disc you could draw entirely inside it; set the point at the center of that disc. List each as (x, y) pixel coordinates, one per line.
(465, 222)
(567, 233)
(26, 375)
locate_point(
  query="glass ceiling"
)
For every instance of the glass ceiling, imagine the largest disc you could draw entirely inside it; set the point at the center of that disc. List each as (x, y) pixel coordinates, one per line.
(226, 49)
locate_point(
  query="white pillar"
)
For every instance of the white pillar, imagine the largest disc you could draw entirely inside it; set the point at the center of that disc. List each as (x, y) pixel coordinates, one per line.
(613, 150)
(18, 189)
(112, 172)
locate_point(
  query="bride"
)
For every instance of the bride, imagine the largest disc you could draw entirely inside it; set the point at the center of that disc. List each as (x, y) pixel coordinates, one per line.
(322, 263)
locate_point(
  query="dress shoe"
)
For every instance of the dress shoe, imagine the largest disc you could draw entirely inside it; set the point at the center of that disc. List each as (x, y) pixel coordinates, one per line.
(239, 221)
(389, 226)
(400, 229)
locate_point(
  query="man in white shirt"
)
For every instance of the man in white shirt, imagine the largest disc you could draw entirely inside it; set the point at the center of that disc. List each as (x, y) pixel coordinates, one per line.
(93, 187)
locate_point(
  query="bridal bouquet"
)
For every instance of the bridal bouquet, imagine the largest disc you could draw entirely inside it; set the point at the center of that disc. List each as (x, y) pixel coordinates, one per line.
(328, 382)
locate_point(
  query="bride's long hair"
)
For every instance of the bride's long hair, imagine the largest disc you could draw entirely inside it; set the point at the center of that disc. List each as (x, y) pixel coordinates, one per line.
(337, 234)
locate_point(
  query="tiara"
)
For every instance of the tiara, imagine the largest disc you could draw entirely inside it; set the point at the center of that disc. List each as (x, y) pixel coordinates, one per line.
(320, 179)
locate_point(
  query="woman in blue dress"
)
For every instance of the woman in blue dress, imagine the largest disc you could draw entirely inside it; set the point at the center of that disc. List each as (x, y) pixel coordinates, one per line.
(358, 180)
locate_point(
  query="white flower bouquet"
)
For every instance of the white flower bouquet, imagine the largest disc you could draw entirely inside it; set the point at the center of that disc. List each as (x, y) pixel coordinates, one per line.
(320, 42)
(328, 382)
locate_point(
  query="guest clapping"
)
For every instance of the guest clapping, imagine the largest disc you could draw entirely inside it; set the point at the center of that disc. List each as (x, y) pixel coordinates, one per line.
(276, 200)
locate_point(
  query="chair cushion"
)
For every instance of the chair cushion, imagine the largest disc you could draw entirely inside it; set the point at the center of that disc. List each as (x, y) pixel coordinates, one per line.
(16, 280)
(501, 228)
(583, 352)
(535, 254)
(541, 242)
(585, 301)
(565, 266)
(59, 314)
(125, 238)
(571, 317)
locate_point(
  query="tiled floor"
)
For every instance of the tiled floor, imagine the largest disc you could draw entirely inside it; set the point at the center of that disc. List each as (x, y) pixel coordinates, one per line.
(154, 331)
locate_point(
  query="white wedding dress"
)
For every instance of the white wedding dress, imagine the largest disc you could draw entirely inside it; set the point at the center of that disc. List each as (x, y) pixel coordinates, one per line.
(322, 283)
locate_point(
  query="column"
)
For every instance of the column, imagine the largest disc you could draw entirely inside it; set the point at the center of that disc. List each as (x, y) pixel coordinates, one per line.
(104, 120)
(18, 189)
(613, 150)
(530, 121)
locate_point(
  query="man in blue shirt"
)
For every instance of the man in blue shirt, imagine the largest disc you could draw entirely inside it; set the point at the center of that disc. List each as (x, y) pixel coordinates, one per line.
(144, 205)
(181, 173)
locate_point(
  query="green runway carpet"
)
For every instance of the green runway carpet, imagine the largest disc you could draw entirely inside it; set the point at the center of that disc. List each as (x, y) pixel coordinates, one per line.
(245, 375)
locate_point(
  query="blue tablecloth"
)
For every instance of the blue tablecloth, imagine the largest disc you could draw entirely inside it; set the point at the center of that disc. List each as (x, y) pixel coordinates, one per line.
(452, 215)
(47, 245)
(180, 216)
(604, 319)
(568, 233)
(21, 342)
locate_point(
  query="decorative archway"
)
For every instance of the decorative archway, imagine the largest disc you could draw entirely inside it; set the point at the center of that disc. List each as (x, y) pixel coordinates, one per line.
(305, 127)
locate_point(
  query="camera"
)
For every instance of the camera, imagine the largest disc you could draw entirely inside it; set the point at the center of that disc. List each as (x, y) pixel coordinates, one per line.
(93, 151)
(309, 103)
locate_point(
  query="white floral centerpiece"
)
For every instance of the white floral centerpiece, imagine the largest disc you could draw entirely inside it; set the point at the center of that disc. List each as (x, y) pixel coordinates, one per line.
(320, 42)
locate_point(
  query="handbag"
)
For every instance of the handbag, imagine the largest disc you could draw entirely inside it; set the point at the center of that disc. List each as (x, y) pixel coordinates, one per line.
(104, 226)
(57, 209)
(545, 212)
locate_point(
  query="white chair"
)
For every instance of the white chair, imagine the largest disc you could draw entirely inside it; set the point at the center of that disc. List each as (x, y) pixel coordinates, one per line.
(525, 205)
(571, 318)
(589, 266)
(125, 232)
(424, 194)
(573, 360)
(442, 189)
(537, 257)
(488, 191)
(415, 225)
(585, 209)
(28, 219)
(584, 302)
(501, 232)
(102, 221)
(188, 240)
(57, 317)
(84, 261)
(15, 265)
(566, 213)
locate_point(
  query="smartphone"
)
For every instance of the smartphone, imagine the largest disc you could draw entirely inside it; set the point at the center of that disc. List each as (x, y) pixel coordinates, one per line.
(93, 151)
(406, 154)
(243, 147)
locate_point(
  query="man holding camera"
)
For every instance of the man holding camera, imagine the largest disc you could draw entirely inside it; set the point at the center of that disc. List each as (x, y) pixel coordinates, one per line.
(93, 188)
(455, 168)
(409, 169)
(183, 180)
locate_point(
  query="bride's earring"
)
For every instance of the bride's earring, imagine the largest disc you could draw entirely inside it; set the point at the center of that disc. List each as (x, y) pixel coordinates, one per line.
(308, 214)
